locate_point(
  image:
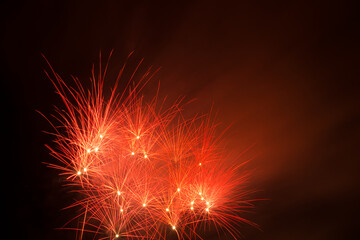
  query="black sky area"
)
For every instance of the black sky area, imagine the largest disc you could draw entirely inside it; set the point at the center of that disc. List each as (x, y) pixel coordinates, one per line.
(284, 74)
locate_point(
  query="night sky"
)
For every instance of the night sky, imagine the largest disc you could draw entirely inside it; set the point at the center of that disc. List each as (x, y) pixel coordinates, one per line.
(284, 74)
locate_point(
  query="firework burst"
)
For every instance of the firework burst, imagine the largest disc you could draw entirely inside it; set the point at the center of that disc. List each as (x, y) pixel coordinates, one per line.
(141, 170)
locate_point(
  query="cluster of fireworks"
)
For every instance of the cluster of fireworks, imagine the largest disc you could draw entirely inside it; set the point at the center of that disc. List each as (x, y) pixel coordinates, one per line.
(141, 170)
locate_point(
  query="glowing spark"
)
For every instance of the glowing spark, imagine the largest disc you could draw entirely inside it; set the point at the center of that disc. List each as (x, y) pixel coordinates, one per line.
(125, 117)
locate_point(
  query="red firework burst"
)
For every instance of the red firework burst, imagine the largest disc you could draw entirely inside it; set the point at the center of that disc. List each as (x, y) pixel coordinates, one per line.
(141, 169)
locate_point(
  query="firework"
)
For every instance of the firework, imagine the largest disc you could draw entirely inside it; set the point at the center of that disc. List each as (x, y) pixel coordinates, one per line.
(141, 170)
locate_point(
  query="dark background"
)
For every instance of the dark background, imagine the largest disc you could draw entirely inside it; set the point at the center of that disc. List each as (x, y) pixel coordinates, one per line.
(284, 74)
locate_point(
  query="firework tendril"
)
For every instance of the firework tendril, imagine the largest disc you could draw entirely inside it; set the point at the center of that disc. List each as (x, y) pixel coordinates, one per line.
(141, 170)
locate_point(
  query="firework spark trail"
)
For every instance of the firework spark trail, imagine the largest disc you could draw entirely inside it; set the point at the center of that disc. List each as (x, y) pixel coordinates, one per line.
(142, 170)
